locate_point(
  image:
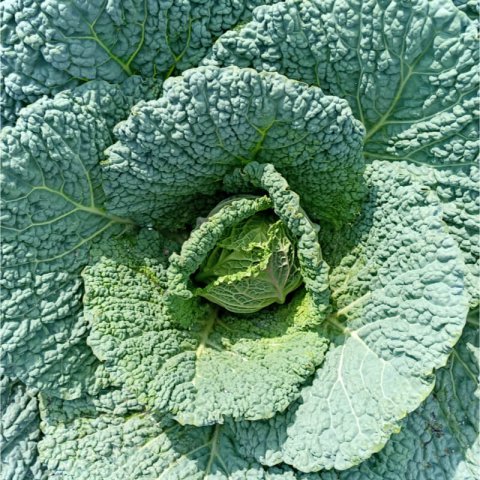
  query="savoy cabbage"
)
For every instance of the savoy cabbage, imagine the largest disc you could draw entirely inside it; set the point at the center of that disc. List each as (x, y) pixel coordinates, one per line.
(239, 242)
(252, 266)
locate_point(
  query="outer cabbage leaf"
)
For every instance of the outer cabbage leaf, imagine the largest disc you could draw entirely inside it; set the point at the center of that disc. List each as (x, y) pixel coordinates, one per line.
(51, 45)
(397, 282)
(101, 438)
(51, 213)
(441, 439)
(20, 432)
(178, 354)
(409, 71)
(175, 151)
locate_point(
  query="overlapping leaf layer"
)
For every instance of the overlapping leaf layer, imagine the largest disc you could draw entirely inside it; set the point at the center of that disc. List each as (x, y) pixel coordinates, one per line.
(350, 128)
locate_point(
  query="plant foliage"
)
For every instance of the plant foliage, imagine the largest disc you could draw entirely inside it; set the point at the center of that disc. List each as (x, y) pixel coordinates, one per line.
(240, 242)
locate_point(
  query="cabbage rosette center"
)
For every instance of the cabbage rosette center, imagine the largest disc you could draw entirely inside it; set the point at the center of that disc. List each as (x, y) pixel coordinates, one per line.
(252, 266)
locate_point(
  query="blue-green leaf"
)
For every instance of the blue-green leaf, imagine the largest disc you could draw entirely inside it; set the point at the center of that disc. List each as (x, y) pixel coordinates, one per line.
(51, 213)
(174, 153)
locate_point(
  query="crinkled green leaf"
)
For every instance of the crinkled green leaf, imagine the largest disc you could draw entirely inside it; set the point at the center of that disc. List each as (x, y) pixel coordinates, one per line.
(397, 283)
(52, 45)
(182, 355)
(409, 71)
(470, 7)
(175, 151)
(252, 273)
(286, 205)
(243, 246)
(19, 432)
(87, 440)
(441, 439)
(458, 191)
(51, 213)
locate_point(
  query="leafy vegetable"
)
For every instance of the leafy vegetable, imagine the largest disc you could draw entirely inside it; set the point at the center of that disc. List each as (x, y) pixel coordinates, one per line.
(259, 268)
(253, 266)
